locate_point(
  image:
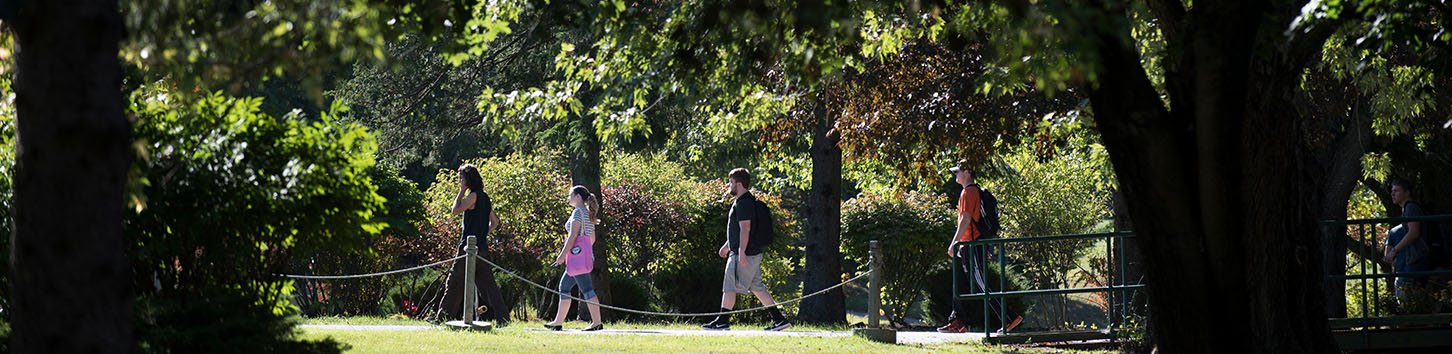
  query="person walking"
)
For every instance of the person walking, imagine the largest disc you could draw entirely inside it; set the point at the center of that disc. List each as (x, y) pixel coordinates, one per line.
(479, 220)
(970, 213)
(743, 255)
(1407, 251)
(577, 255)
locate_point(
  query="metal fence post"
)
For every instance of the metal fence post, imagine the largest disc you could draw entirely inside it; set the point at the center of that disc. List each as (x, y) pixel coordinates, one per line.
(874, 297)
(471, 249)
(874, 330)
(469, 292)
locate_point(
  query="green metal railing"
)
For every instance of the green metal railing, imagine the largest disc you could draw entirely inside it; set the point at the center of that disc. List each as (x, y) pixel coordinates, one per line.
(1113, 251)
(1372, 311)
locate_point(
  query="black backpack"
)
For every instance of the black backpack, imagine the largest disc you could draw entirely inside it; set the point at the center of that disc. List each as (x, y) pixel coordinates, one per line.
(1435, 237)
(987, 223)
(1437, 244)
(762, 235)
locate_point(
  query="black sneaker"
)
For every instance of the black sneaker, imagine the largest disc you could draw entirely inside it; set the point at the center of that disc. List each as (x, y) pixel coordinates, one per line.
(778, 325)
(715, 326)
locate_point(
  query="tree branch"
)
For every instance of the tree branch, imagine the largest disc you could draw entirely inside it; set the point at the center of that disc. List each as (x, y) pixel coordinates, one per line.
(1171, 14)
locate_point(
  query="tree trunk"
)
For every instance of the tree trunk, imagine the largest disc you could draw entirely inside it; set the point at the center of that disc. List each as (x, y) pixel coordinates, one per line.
(1223, 194)
(585, 171)
(69, 273)
(824, 228)
(1133, 302)
(1343, 171)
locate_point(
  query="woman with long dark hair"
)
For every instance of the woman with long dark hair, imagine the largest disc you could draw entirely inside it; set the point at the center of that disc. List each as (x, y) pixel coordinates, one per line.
(479, 220)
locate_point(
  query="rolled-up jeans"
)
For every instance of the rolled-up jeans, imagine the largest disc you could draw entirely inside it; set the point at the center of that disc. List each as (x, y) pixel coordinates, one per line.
(569, 282)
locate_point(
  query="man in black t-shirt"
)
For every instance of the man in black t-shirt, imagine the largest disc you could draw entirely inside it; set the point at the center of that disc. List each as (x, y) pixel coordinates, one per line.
(743, 256)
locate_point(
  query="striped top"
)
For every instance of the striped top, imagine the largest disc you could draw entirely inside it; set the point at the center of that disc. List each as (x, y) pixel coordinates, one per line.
(582, 216)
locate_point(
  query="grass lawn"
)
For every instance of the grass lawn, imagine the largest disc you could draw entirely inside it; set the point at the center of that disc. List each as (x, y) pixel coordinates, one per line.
(520, 337)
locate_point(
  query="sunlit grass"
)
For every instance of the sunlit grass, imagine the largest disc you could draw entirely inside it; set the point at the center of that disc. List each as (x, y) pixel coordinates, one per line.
(529, 337)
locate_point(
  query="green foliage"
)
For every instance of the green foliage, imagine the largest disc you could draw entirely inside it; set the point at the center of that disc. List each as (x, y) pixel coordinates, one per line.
(653, 174)
(912, 229)
(403, 207)
(628, 58)
(1378, 27)
(225, 197)
(422, 107)
(633, 292)
(1060, 185)
(220, 321)
(7, 165)
(234, 44)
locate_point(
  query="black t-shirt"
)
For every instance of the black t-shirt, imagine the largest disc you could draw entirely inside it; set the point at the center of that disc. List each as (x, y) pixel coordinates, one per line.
(744, 208)
(476, 220)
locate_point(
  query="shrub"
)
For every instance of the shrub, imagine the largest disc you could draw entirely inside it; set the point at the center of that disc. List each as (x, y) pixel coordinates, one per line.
(633, 292)
(226, 198)
(219, 321)
(365, 296)
(911, 229)
(652, 174)
(643, 229)
(1068, 193)
(691, 288)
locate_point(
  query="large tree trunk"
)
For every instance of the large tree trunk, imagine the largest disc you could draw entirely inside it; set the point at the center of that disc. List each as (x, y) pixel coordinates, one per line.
(1223, 194)
(69, 274)
(585, 171)
(1343, 171)
(824, 227)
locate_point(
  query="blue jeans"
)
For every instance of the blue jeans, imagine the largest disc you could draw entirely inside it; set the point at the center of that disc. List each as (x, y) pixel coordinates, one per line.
(568, 282)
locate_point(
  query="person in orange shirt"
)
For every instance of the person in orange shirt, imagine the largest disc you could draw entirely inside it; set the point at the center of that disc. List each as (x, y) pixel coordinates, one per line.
(970, 211)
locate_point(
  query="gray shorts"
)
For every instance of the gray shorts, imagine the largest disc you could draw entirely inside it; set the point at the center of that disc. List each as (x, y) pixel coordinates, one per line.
(743, 280)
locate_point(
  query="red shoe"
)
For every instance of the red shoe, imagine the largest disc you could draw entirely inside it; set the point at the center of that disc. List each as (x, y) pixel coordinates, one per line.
(1011, 325)
(953, 327)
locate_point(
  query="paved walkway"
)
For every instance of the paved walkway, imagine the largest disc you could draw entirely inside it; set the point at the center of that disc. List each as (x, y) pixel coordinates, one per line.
(902, 337)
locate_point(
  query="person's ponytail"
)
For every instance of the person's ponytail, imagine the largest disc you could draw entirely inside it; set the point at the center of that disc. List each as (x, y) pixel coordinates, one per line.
(593, 206)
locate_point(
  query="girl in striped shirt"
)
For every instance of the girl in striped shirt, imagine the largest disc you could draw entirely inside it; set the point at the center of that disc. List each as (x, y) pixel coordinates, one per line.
(578, 257)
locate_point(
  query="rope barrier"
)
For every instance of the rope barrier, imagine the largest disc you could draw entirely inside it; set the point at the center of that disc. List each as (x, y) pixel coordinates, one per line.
(295, 276)
(653, 313)
(556, 292)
